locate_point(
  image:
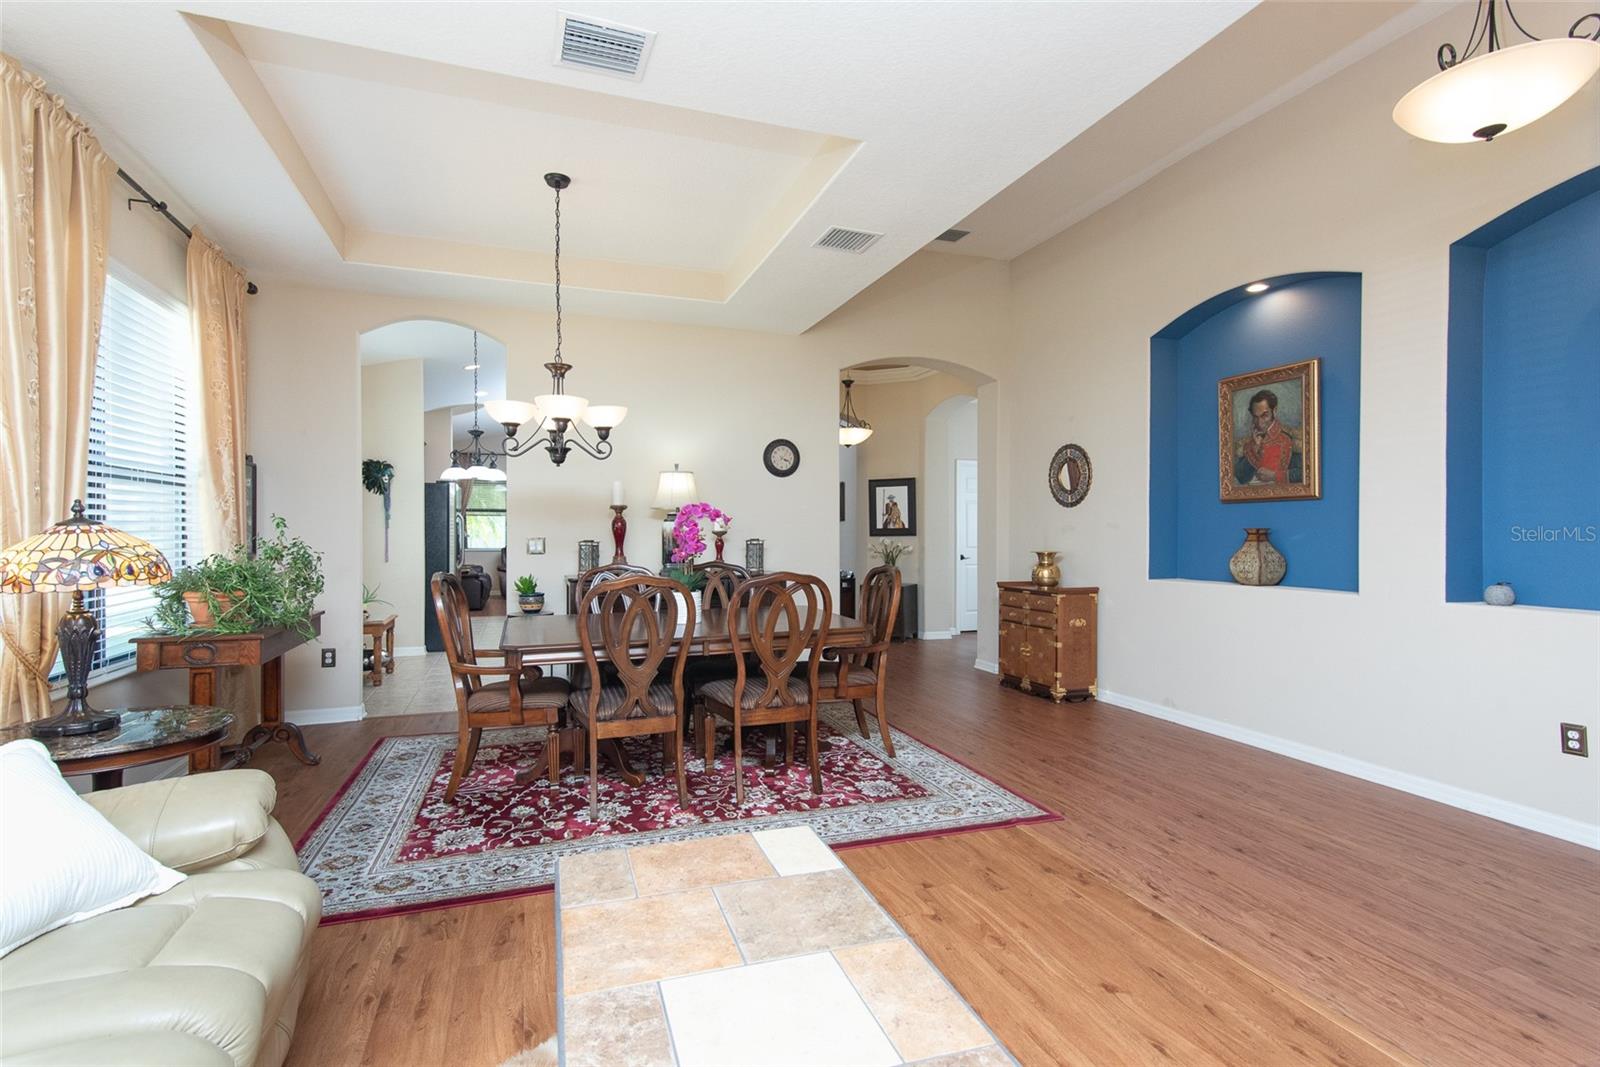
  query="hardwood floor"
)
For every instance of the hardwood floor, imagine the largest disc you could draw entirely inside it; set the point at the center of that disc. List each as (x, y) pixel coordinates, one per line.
(1202, 902)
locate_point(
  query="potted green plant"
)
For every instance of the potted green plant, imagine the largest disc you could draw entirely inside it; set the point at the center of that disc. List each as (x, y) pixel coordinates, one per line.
(234, 592)
(529, 599)
(370, 597)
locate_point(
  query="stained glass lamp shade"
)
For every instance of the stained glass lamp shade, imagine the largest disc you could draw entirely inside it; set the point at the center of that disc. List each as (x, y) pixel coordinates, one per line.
(75, 555)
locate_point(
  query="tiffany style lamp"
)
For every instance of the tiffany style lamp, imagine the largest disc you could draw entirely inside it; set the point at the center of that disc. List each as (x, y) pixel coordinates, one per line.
(71, 556)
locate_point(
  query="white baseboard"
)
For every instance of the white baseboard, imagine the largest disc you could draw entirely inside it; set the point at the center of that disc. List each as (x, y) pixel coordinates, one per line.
(937, 635)
(411, 650)
(323, 716)
(1544, 822)
(987, 665)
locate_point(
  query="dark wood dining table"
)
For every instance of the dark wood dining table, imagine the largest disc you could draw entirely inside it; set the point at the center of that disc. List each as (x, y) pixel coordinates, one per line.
(552, 640)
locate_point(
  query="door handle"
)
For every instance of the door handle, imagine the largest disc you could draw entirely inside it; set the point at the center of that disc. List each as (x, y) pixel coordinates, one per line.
(963, 557)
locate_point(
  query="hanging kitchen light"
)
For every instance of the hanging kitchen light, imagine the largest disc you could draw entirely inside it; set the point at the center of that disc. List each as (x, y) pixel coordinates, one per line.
(1477, 96)
(473, 463)
(558, 409)
(853, 429)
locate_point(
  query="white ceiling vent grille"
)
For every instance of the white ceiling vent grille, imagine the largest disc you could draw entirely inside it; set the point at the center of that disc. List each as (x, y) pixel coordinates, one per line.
(595, 44)
(843, 240)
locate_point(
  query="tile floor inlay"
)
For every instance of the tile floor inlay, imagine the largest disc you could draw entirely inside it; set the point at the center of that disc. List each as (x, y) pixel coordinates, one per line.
(694, 971)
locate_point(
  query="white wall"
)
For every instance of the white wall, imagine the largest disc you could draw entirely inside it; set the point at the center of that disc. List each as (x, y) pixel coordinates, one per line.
(1458, 694)
(392, 429)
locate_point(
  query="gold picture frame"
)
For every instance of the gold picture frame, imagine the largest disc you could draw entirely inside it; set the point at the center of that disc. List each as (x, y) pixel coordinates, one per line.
(1269, 434)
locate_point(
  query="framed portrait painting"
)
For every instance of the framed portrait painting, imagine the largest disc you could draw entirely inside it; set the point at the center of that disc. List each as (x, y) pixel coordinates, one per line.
(894, 507)
(1269, 434)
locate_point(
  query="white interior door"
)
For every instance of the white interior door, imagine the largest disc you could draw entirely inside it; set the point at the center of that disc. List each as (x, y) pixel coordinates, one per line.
(966, 544)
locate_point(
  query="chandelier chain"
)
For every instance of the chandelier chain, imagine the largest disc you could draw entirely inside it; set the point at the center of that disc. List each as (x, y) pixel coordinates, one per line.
(558, 278)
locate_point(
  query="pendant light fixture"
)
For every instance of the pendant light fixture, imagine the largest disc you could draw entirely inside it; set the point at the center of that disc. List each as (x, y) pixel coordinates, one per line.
(556, 414)
(853, 429)
(1490, 88)
(473, 463)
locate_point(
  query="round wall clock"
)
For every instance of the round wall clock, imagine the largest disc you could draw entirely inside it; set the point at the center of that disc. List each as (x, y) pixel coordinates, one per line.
(782, 458)
(1070, 473)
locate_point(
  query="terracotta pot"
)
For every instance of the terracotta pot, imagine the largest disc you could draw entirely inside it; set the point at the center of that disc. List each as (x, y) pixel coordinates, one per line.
(1258, 561)
(1047, 572)
(200, 607)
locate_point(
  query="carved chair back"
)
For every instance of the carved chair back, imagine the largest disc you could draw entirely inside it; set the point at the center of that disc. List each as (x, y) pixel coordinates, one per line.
(721, 581)
(880, 606)
(784, 616)
(638, 624)
(608, 572)
(455, 627)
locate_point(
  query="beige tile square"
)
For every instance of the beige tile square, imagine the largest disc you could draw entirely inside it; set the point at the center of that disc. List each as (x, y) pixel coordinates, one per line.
(705, 861)
(625, 942)
(796, 850)
(787, 1012)
(987, 1056)
(593, 877)
(804, 913)
(921, 1014)
(617, 1026)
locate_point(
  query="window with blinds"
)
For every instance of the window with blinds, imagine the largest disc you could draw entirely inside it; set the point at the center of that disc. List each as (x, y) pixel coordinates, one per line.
(486, 516)
(139, 444)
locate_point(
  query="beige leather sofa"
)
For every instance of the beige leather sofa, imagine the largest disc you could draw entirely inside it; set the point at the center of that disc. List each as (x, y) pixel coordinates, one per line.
(207, 973)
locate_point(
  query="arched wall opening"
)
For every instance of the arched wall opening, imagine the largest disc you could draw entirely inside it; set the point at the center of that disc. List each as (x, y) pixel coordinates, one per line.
(924, 411)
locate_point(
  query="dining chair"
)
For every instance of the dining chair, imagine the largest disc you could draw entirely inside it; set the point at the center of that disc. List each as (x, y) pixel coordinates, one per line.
(527, 699)
(860, 673)
(640, 627)
(721, 580)
(778, 619)
(608, 572)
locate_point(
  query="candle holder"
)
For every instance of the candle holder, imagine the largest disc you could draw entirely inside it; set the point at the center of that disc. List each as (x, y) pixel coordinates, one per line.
(755, 555)
(719, 530)
(619, 531)
(588, 555)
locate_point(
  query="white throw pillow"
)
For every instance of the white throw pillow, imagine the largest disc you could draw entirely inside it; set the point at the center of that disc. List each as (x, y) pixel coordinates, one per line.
(60, 860)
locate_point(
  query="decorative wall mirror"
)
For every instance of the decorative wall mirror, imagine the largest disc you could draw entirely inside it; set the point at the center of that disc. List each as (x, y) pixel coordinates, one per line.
(1070, 473)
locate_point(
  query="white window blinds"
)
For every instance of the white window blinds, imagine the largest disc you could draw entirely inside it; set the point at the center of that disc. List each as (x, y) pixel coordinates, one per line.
(139, 443)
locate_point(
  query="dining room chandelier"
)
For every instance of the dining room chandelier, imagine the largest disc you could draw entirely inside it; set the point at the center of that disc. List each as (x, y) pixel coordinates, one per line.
(1491, 88)
(853, 429)
(555, 416)
(474, 463)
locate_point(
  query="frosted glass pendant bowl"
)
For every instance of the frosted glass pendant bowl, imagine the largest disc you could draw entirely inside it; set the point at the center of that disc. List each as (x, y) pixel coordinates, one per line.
(561, 406)
(605, 416)
(1504, 90)
(512, 412)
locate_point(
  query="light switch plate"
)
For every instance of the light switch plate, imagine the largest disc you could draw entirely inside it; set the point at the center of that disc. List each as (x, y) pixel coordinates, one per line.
(535, 546)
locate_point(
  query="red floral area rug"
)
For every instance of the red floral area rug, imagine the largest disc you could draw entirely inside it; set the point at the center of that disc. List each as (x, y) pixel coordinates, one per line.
(389, 843)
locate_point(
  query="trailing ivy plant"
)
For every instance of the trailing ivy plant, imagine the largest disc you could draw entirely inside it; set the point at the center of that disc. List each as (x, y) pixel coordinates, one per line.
(277, 588)
(377, 476)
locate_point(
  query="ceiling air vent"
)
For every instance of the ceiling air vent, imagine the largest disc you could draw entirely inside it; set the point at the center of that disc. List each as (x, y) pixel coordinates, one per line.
(952, 235)
(842, 240)
(596, 44)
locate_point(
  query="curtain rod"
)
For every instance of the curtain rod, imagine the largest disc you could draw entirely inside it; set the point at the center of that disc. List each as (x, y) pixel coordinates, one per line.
(160, 206)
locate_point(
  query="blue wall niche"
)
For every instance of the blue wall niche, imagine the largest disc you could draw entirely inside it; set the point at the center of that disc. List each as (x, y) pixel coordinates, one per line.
(1523, 439)
(1192, 532)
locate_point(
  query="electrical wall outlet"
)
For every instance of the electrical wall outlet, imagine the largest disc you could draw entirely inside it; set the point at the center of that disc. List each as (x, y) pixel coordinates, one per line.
(1574, 739)
(330, 657)
(535, 546)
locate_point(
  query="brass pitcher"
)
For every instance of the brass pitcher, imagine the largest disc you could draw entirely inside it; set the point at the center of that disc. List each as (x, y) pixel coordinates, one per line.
(1047, 572)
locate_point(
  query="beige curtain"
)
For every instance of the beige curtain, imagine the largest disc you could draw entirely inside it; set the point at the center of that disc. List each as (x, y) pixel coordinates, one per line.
(55, 189)
(216, 322)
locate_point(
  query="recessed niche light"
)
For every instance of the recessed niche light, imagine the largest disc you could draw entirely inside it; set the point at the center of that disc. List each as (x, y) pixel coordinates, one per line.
(470, 366)
(1256, 287)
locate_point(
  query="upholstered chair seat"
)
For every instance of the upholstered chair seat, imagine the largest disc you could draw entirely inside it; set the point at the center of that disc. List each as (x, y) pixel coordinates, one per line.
(659, 701)
(829, 678)
(537, 693)
(755, 689)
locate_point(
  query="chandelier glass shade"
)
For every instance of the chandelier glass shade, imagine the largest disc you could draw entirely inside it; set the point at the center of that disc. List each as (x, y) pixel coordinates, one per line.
(853, 429)
(557, 417)
(1491, 89)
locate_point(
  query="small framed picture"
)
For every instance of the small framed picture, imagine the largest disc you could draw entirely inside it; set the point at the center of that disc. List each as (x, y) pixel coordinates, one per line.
(1269, 444)
(894, 507)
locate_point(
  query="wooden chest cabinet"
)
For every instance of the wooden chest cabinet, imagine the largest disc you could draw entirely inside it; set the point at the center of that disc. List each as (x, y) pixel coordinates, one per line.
(1047, 639)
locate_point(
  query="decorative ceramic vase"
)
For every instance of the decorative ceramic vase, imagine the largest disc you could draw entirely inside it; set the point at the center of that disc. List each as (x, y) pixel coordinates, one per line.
(1500, 594)
(531, 603)
(1047, 572)
(1258, 561)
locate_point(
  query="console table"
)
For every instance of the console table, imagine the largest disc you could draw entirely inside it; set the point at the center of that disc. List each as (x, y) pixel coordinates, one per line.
(1047, 639)
(204, 655)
